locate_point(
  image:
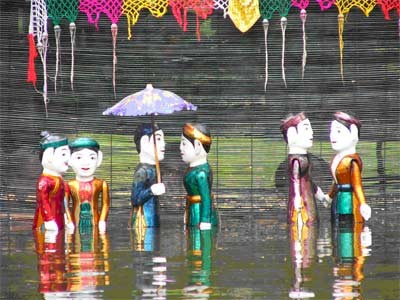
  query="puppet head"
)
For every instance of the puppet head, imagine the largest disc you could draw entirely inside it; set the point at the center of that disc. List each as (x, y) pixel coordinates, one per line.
(54, 153)
(144, 141)
(297, 132)
(86, 157)
(344, 132)
(195, 143)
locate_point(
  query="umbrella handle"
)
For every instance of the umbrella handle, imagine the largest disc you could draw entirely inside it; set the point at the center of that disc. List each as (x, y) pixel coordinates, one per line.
(156, 153)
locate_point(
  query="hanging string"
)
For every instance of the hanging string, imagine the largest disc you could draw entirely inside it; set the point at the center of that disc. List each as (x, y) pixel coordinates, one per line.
(58, 9)
(267, 9)
(132, 8)
(72, 33)
(303, 17)
(265, 26)
(222, 5)
(38, 29)
(344, 6)
(302, 5)
(202, 8)
(113, 10)
(387, 6)
(283, 28)
(57, 34)
(325, 4)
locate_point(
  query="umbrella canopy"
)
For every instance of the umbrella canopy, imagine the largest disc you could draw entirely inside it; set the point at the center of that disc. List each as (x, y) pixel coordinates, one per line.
(149, 101)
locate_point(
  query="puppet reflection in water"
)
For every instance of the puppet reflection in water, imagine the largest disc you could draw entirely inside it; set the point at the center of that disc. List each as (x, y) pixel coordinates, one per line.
(351, 246)
(150, 269)
(302, 249)
(88, 265)
(50, 250)
(199, 254)
(145, 239)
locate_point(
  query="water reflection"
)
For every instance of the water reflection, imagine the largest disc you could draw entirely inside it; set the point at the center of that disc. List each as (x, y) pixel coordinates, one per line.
(87, 263)
(351, 247)
(151, 277)
(199, 253)
(145, 238)
(72, 266)
(302, 249)
(50, 250)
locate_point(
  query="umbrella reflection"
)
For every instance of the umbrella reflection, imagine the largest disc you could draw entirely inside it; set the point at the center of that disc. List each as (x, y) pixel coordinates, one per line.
(302, 249)
(352, 243)
(151, 278)
(199, 254)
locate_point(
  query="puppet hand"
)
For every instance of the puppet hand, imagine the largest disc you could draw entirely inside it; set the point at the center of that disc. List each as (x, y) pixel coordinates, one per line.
(70, 228)
(50, 237)
(327, 200)
(297, 203)
(365, 211)
(205, 226)
(158, 189)
(51, 225)
(320, 195)
(102, 226)
(366, 237)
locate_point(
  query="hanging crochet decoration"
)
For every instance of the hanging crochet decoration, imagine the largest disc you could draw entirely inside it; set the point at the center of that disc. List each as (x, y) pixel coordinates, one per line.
(113, 10)
(267, 9)
(387, 6)
(58, 9)
(222, 5)
(132, 8)
(202, 8)
(244, 14)
(344, 7)
(38, 30)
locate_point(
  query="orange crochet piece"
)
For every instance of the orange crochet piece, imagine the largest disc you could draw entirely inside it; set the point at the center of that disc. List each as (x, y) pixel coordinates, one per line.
(202, 8)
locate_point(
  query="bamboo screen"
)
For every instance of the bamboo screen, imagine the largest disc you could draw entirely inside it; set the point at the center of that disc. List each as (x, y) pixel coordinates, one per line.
(223, 74)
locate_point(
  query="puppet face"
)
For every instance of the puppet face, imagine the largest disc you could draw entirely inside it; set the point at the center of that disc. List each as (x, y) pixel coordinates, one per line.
(56, 159)
(187, 149)
(85, 162)
(341, 137)
(147, 145)
(302, 137)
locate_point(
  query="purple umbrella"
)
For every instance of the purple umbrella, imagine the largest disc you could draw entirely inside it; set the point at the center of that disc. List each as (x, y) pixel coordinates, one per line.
(150, 101)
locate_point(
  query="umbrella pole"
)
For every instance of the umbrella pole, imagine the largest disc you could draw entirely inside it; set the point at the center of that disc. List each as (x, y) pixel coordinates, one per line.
(155, 151)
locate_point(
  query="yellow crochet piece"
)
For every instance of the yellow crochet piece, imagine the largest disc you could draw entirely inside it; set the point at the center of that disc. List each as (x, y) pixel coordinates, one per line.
(344, 7)
(244, 14)
(132, 8)
(366, 6)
